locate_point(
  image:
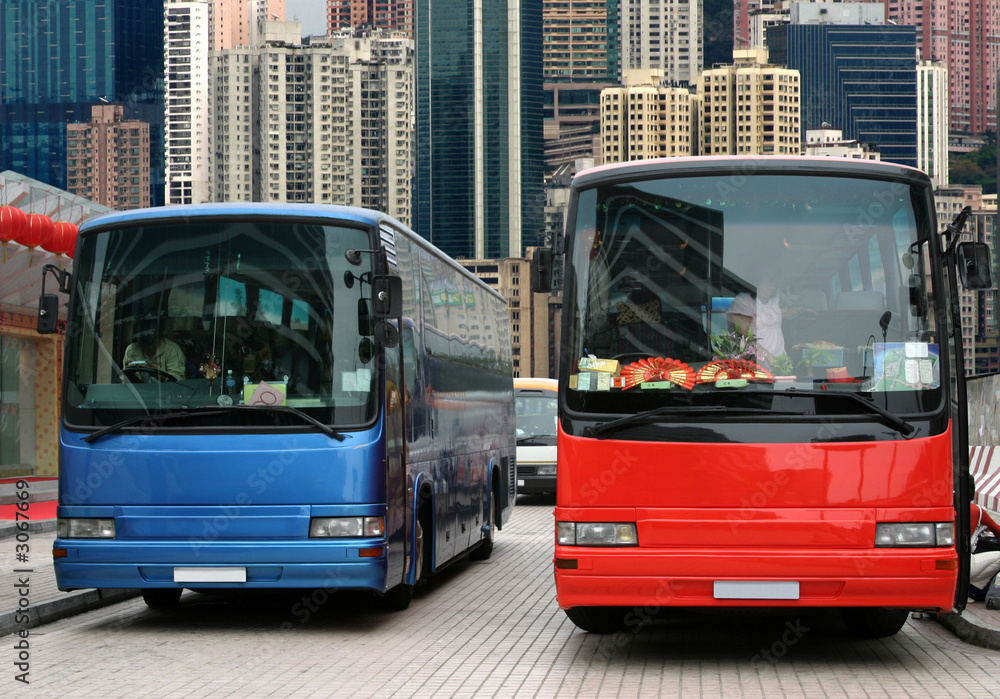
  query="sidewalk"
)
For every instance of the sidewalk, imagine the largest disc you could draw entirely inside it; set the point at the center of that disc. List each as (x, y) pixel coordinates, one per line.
(976, 625)
(28, 593)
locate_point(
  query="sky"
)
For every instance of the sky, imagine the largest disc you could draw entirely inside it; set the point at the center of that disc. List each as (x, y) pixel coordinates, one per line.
(312, 14)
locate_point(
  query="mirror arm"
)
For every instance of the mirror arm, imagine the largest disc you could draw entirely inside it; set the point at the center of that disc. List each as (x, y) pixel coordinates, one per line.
(61, 275)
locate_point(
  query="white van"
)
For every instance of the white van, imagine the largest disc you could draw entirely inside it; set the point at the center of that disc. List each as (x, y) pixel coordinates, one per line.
(536, 406)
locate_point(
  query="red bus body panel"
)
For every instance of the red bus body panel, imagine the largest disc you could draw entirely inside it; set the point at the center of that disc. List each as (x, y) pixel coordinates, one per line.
(756, 512)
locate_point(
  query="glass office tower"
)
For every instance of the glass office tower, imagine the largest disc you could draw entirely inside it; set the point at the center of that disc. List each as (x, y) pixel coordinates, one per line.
(478, 189)
(60, 57)
(859, 78)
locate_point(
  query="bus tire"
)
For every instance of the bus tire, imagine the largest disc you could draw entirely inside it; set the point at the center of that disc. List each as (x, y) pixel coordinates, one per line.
(598, 619)
(485, 548)
(873, 622)
(162, 598)
(398, 598)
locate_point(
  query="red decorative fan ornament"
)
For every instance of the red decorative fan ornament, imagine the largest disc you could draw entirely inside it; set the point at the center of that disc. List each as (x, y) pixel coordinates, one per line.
(658, 369)
(722, 369)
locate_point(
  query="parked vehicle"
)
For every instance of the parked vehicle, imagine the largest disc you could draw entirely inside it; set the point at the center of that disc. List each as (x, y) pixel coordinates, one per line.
(761, 391)
(276, 396)
(536, 407)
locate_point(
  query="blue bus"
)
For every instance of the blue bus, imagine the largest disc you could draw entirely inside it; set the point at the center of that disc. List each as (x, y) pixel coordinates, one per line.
(276, 396)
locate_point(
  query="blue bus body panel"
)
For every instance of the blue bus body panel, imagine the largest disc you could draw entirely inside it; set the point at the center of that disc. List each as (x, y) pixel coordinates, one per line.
(221, 469)
(172, 508)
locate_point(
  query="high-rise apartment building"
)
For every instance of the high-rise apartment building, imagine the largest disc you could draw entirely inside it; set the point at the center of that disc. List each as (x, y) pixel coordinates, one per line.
(750, 107)
(58, 59)
(187, 38)
(236, 22)
(932, 121)
(326, 121)
(643, 119)
(663, 35)
(580, 57)
(107, 159)
(856, 75)
(392, 15)
(479, 126)
(978, 308)
(965, 37)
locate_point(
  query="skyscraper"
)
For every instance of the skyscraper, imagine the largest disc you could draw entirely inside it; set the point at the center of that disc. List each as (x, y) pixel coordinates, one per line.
(328, 120)
(58, 58)
(394, 15)
(750, 107)
(663, 35)
(478, 190)
(861, 78)
(108, 159)
(643, 119)
(965, 37)
(187, 32)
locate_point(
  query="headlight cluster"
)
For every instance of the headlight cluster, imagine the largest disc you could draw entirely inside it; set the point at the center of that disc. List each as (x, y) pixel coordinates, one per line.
(597, 534)
(914, 534)
(546, 470)
(80, 528)
(346, 527)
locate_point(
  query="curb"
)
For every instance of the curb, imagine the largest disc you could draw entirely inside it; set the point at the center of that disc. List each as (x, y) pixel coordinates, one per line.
(61, 607)
(982, 634)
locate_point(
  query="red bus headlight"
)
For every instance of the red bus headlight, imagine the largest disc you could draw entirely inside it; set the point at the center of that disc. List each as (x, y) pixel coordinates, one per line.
(597, 534)
(914, 534)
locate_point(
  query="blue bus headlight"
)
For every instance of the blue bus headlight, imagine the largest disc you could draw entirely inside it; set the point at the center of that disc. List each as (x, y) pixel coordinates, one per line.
(81, 528)
(914, 534)
(346, 527)
(597, 534)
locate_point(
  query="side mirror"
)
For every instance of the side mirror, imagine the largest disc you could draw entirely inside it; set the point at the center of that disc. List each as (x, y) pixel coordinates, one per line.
(387, 296)
(48, 313)
(973, 260)
(386, 333)
(541, 271)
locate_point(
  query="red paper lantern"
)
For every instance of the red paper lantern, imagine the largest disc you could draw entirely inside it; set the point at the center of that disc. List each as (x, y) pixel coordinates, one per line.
(37, 233)
(13, 221)
(63, 238)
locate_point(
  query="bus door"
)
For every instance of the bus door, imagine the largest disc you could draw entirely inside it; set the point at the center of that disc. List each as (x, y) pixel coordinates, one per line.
(397, 515)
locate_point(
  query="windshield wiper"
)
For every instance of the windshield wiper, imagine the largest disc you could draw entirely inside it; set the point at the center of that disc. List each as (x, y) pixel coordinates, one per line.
(603, 428)
(531, 441)
(898, 423)
(136, 419)
(289, 410)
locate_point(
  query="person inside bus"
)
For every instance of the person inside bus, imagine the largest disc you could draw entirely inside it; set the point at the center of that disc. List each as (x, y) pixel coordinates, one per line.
(760, 316)
(152, 351)
(984, 563)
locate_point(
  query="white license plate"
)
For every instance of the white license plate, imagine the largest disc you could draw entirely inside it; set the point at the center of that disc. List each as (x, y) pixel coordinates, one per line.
(520, 483)
(756, 589)
(210, 575)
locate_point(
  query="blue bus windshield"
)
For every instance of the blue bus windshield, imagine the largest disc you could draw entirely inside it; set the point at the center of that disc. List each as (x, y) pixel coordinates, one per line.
(211, 313)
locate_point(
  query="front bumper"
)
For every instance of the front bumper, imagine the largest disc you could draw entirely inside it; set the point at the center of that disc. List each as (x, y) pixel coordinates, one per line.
(911, 579)
(269, 564)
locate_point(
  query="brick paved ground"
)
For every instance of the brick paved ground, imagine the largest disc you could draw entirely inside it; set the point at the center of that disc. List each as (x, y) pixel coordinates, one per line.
(489, 629)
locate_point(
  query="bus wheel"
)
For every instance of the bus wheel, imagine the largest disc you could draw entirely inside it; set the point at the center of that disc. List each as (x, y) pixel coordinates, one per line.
(598, 619)
(873, 622)
(485, 549)
(161, 598)
(398, 598)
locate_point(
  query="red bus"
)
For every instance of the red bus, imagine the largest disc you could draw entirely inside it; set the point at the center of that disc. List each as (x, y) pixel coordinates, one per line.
(761, 395)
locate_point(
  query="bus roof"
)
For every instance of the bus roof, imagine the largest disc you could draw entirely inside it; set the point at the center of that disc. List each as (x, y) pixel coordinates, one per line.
(356, 214)
(747, 165)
